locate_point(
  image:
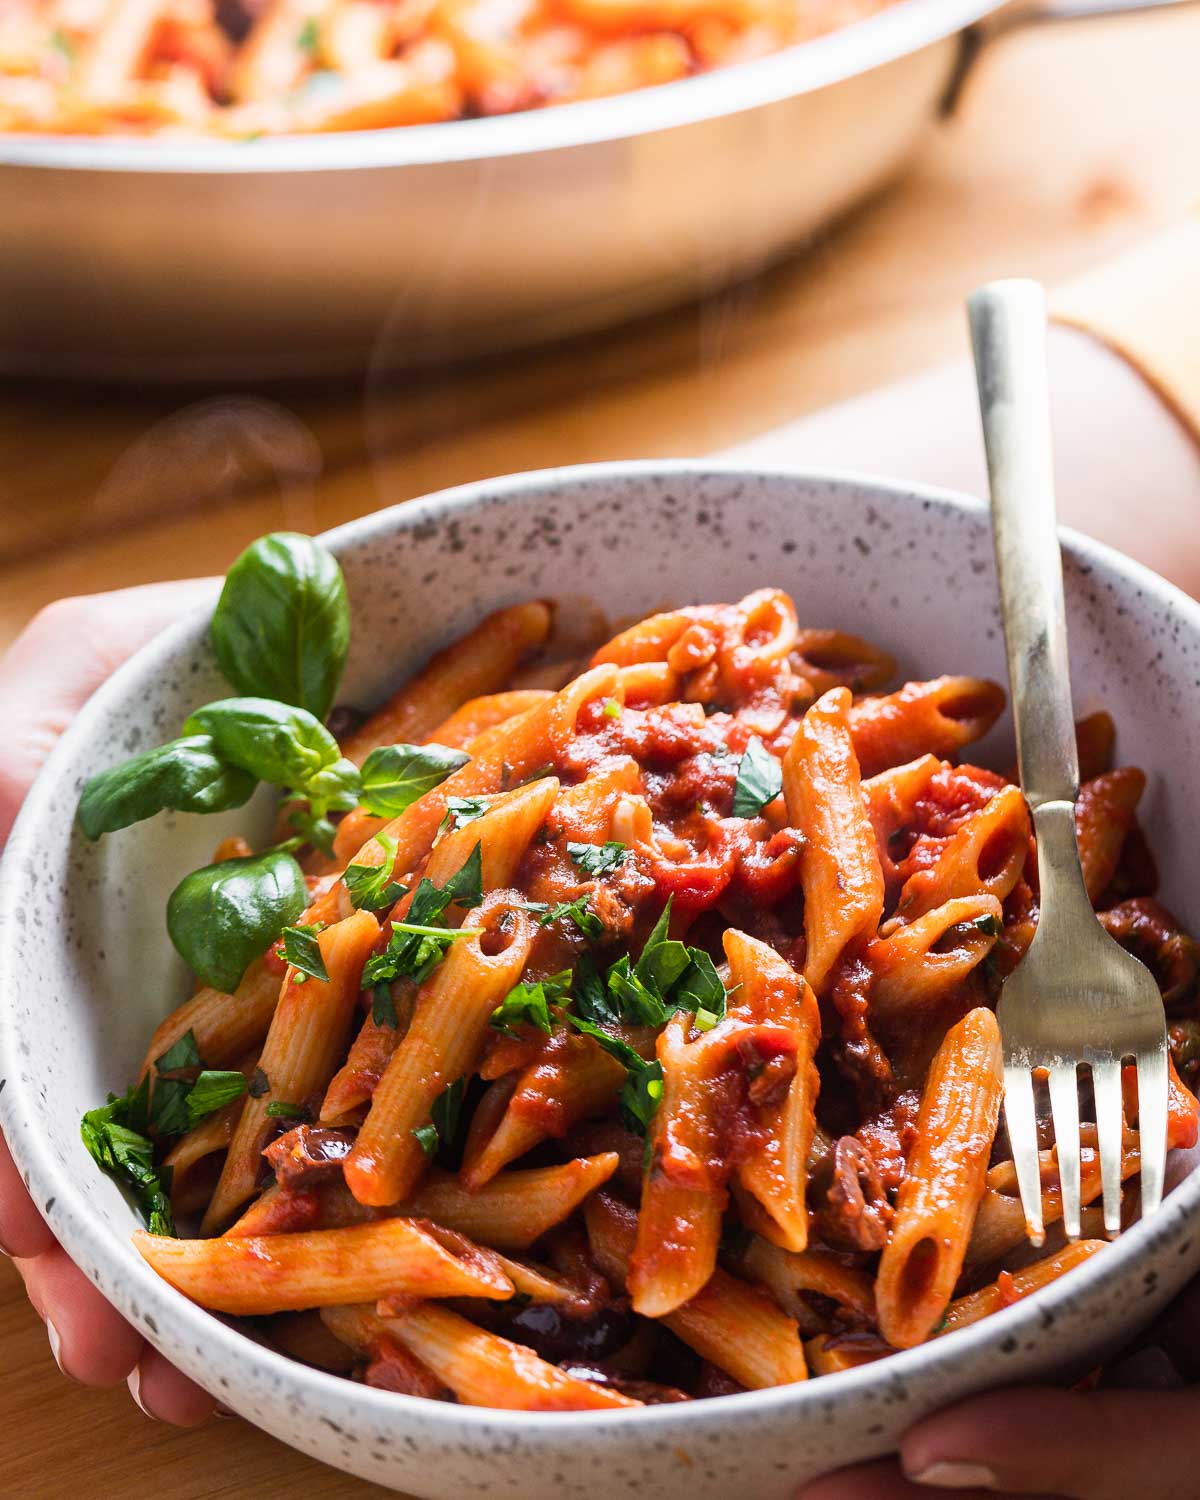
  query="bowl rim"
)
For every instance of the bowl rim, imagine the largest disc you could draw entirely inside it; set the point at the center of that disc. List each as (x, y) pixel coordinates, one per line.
(902, 28)
(154, 1306)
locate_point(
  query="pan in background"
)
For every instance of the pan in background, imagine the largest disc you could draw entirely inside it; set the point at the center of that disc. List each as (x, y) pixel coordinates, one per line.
(326, 255)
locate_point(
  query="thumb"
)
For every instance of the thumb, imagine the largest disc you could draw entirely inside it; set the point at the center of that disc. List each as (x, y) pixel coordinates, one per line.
(1094, 1445)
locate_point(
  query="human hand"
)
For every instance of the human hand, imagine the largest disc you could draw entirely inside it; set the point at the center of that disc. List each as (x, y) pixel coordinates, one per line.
(1106, 1444)
(47, 675)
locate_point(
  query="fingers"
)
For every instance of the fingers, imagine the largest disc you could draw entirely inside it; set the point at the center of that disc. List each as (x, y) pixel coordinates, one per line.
(166, 1394)
(62, 657)
(880, 1481)
(23, 1231)
(90, 1340)
(1095, 1445)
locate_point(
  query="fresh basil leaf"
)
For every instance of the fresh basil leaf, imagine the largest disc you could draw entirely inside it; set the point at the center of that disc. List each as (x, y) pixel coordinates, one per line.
(599, 859)
(303, 952)
(180, 1055)
(213, 1090)
(115, 1138)
(223, 916)
(281, 628)
(394, 776)
(260, 1084)
(281, 1109)
(642, 1091)
(463, 810)
(277, 742)
(371, 887)
(187, 775)
(759, 780)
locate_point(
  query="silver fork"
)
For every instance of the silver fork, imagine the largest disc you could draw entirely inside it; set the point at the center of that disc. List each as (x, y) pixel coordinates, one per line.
(1077, 999)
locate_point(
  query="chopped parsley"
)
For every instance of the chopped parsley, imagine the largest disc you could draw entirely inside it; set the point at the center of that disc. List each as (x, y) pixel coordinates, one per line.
(115, 1137)
(612, 709)
(530, 1004)
(383, 1007)
(578, 911)
(419, 942)
(180, 1055)
(301, 950)
(443, 1126)
(641, 1092)
(371, 887)
(308, 37)
(212, 1091)
(599, 859)
(282, 1109)
(988, 925)
(759, 780)
(462, 810)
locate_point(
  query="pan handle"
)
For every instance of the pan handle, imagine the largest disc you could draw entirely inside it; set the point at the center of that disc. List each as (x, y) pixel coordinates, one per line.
(1033, 13)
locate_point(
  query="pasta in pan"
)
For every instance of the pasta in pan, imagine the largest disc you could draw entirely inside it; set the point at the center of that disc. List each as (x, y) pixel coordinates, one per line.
(647, 1051)
(245, 68)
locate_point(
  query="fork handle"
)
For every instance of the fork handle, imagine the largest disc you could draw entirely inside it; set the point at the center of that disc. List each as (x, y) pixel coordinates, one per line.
(1008, 332)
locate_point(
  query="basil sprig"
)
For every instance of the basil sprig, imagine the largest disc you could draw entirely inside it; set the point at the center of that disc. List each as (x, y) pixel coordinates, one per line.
(223, 916)
(188, 775)
(759, 780)
(282, 625)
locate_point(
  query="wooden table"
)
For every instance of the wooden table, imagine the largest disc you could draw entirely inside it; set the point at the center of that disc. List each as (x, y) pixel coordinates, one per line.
(1070, 144)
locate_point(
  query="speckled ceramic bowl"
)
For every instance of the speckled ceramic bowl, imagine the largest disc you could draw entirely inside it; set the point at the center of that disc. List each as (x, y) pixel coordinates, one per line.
(87, 970)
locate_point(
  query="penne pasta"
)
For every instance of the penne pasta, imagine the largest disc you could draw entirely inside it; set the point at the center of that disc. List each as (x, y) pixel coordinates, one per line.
(943, 1184)
(839, 867)
(558, 1066)
(282, 1272)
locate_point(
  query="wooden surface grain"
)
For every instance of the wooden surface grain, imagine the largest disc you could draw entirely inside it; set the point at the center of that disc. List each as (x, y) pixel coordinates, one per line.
(1071, 143)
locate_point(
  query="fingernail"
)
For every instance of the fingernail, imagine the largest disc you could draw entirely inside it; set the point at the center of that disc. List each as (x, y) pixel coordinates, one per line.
(223, 1414)
(55, 1341)
(134, 1381)
(955, 1476)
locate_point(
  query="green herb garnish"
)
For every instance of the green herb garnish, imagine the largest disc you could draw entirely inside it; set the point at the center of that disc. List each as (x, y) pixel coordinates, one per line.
(303, 952)
(395, 776)
(759, 780)
(599, 859)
